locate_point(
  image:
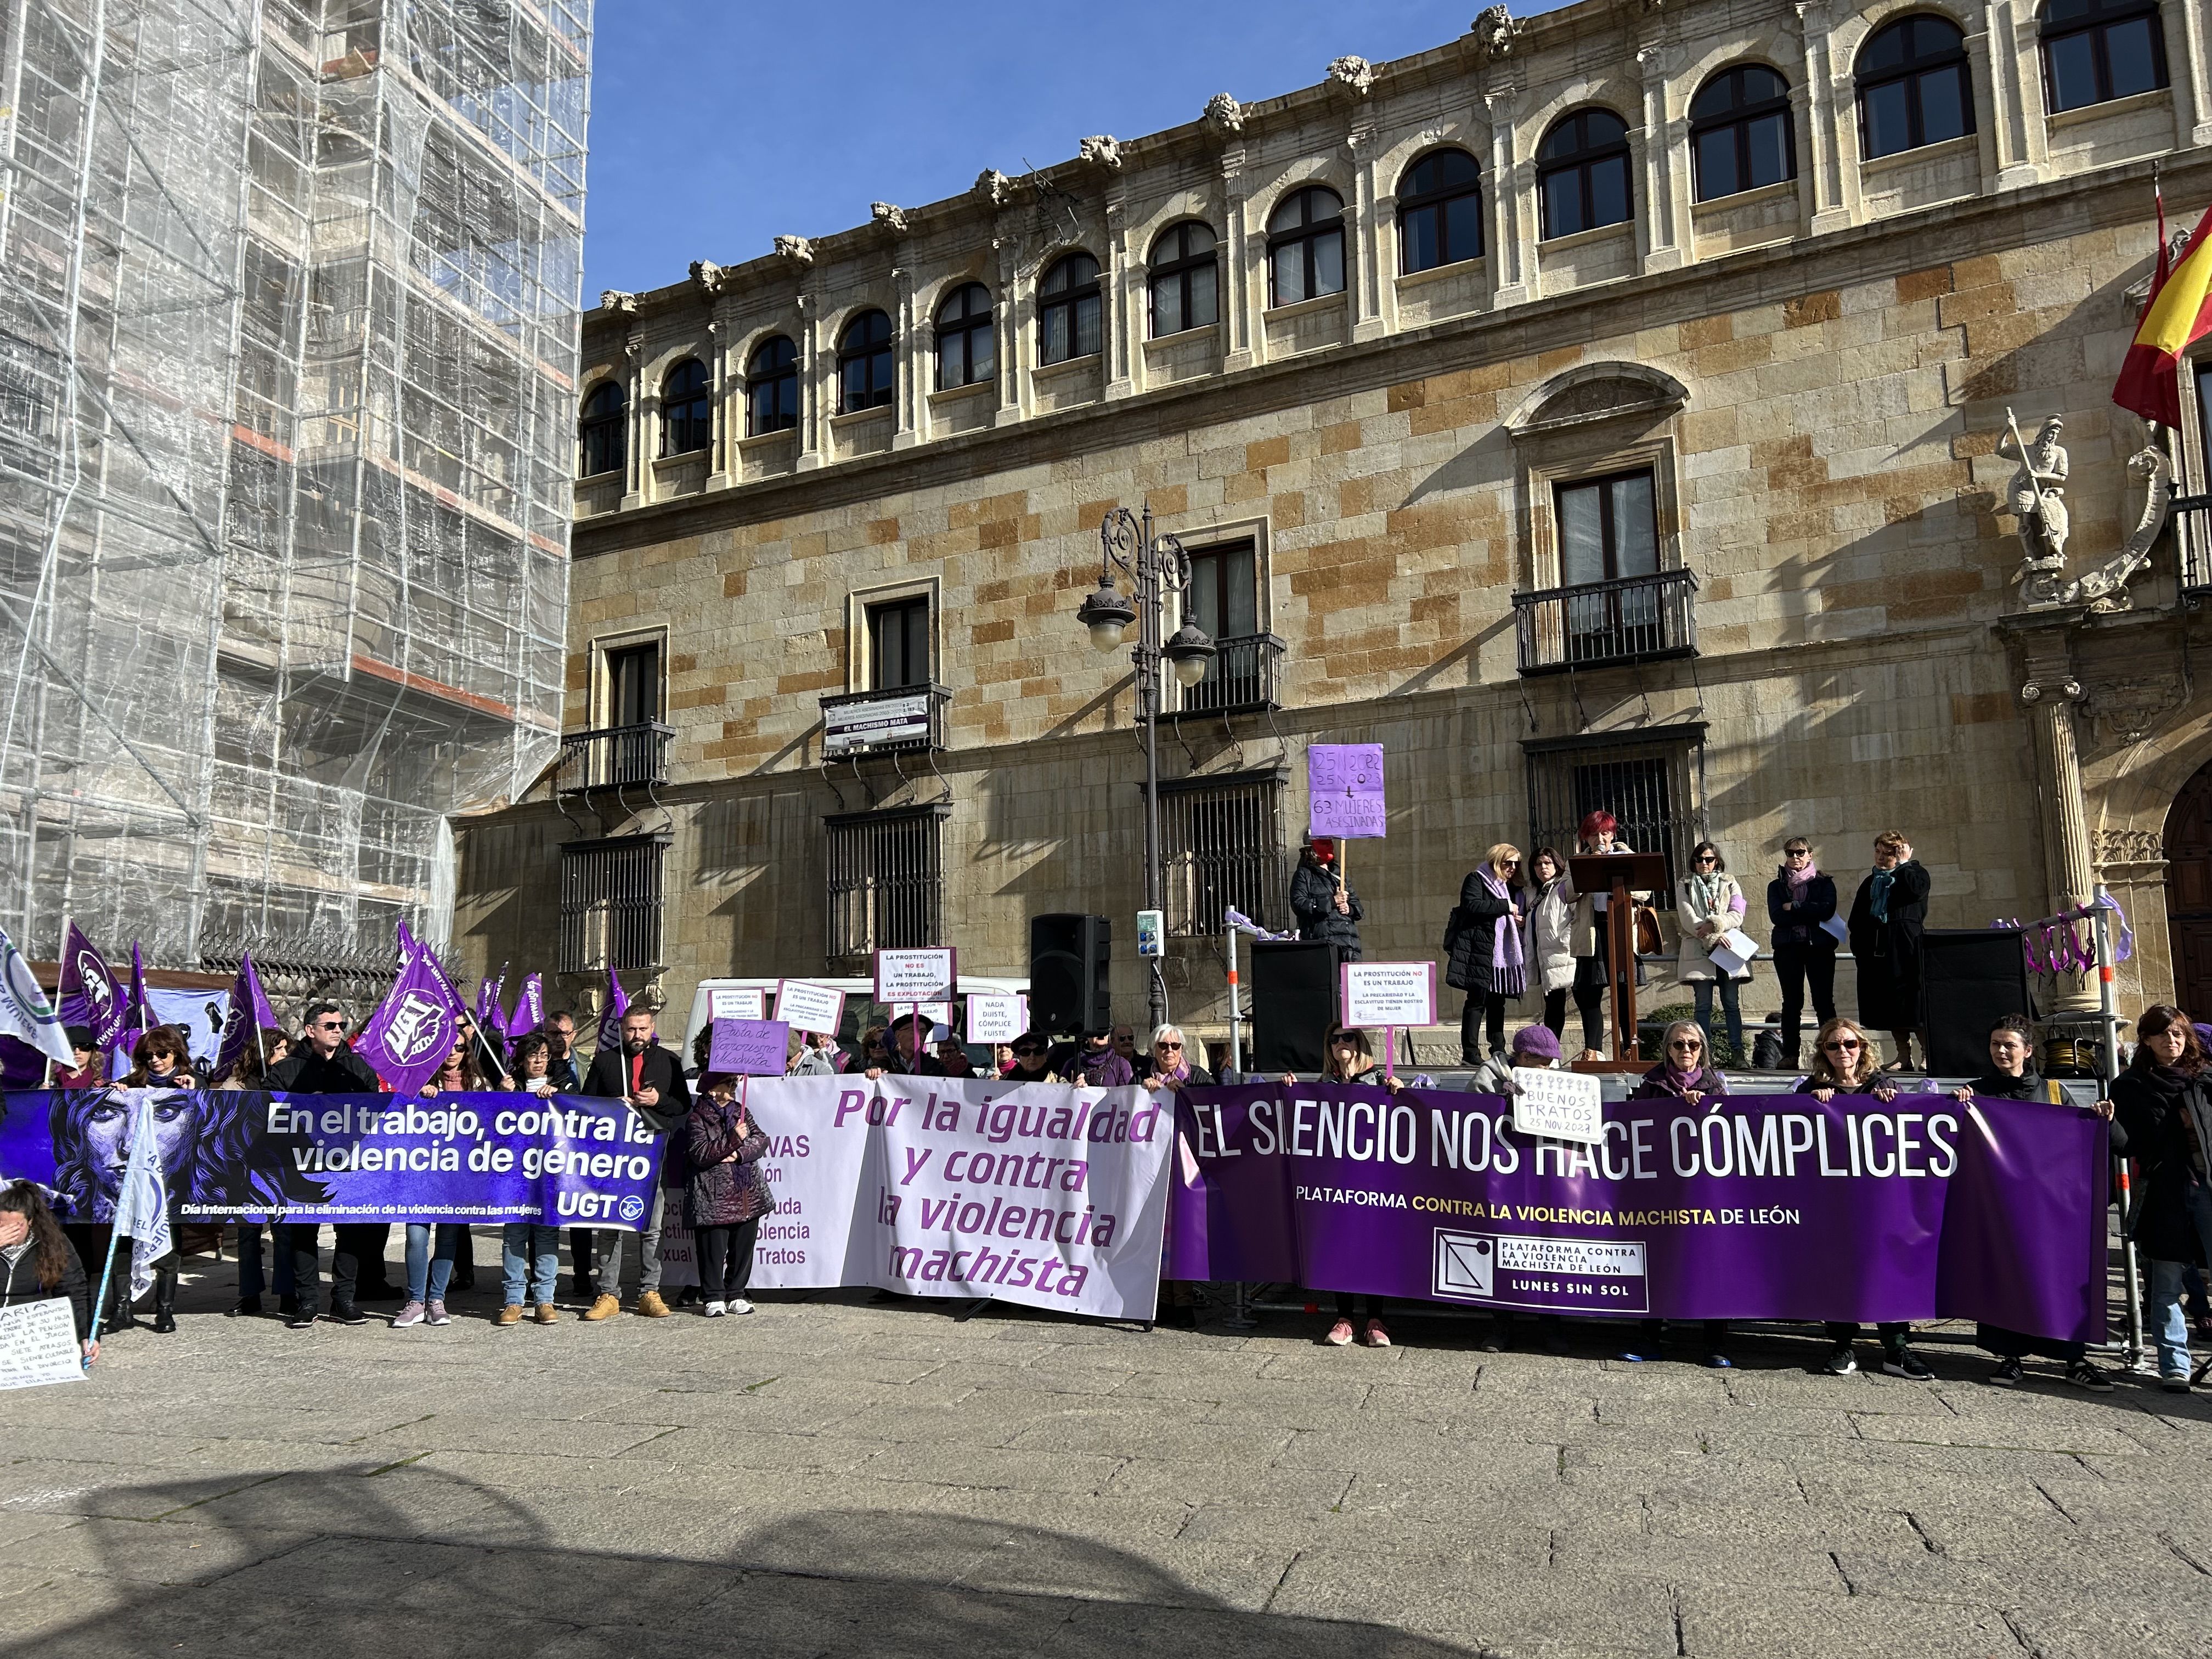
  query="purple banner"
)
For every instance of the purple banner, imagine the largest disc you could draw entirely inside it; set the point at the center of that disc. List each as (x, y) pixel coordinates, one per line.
(1344, 790)
(1768, 1207)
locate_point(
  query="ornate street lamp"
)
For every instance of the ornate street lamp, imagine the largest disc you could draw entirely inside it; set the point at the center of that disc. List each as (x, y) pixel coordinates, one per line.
(1156, 566)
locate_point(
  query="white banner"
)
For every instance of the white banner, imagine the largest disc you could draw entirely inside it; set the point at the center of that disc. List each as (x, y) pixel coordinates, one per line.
(38, 1343)
(1039, 1193)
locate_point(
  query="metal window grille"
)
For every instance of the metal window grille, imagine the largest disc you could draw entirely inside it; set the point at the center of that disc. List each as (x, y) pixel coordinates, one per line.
(886, 887)
(610, 898)
(1221, 846)
(1644, 779)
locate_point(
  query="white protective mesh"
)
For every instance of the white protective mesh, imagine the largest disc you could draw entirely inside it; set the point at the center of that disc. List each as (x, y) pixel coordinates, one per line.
(288, 299)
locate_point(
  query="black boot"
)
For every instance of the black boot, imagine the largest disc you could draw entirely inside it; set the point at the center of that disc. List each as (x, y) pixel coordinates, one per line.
(165, 1301)
(119, 1314)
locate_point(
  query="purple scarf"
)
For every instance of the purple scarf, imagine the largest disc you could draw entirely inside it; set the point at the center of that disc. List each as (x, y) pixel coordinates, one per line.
(1799, 880)
(1508, 971)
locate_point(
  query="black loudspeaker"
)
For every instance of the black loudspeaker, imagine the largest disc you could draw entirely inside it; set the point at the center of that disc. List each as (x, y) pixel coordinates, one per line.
(1970, 978)
(1293, 1005)
(1068, 957)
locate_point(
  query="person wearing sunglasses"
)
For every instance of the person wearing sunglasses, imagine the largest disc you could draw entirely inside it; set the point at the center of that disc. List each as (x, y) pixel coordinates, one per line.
(1846, 1062)
(1173, 1069)
(1032, 1057)
(1687, 1074)
(1800, 901)
(323, 1065)
(1888, 914)
(1711, 903)
(1486, 949)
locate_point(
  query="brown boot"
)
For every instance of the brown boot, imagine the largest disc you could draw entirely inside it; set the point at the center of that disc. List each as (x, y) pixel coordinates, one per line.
(650, 1306)
(546, 1314)
(510, 1315)
(607, 1307)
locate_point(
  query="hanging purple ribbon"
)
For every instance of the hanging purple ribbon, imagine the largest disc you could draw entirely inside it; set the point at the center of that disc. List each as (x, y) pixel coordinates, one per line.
(2124, 946)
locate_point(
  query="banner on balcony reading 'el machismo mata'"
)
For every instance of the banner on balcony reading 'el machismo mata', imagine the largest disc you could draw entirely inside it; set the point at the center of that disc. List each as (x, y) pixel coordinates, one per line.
(1764, 1206)
(1041, 1193)
(233, 1154)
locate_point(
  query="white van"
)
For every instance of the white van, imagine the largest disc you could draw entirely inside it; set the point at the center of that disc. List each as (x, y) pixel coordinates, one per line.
(861, 1008)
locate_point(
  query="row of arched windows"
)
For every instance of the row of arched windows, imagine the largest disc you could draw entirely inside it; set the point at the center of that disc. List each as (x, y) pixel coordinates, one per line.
(1913, 89)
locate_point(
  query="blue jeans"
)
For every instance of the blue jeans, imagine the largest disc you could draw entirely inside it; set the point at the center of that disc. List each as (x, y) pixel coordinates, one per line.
(1701, 990)
(428, 1271)
(523, 1246)
(2168, 1324)
(250, 1280)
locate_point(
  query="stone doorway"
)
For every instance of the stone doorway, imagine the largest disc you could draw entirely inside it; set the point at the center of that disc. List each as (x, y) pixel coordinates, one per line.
(2189, 893)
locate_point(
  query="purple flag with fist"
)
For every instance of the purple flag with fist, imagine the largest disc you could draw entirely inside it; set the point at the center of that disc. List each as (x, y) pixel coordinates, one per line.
(414, 1027)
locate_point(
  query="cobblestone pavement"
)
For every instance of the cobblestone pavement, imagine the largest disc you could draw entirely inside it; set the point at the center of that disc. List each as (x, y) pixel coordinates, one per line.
(837, 1475)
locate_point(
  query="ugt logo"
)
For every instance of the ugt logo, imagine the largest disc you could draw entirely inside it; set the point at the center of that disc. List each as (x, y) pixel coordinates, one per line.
(417, 1027)
(632, 1207)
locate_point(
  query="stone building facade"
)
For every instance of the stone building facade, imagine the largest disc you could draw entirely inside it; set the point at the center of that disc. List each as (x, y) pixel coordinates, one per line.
(1601, 409)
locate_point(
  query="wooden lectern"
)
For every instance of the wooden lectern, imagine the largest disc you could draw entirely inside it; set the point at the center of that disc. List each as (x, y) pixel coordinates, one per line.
(1617, 875)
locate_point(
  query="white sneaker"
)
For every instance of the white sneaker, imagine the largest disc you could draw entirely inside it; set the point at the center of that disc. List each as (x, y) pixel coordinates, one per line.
(741, 1306)
(714, 1310)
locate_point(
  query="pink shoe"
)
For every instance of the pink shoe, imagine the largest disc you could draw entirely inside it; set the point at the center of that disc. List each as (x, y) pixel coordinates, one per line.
(1376, 1337)
(1339, 1334)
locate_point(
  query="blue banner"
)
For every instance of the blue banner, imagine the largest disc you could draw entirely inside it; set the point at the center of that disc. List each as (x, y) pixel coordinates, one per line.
(248, 1155)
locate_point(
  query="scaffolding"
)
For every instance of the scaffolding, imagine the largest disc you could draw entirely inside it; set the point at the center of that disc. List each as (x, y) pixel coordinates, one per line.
(288, 306)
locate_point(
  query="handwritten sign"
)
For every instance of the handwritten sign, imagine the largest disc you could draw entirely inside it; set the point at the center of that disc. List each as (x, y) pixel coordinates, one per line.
(993, 1018)
(754, 1047)
(1344, 790)
(807, 1007)
(1558, 1105)
(39, 1344)
(910, 976)
(736, 1002)
(1390, 993)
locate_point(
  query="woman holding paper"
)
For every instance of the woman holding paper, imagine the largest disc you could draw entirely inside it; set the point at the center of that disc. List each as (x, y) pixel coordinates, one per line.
(1801, 904)
(38, 1263)
(1711, 907)
(1487, 952)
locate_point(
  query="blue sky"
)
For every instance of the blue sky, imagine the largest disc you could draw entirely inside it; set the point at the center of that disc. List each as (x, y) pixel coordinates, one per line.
(718, 125)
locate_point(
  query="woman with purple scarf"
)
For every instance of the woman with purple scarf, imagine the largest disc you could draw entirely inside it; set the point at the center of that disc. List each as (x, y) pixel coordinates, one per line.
(1685, 1074)
(1484, 942)
(1800, 902)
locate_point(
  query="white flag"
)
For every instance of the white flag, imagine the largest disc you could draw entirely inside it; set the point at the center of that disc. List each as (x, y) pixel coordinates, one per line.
(24, 1011)
(141, 1207)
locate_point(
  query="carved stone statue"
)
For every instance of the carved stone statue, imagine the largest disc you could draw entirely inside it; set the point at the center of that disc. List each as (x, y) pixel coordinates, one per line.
(1101, 149)
(2105, 588)
(1224, 114)
(797, 249)
(1493, 31)
(993, 186)
(707, 274)
(2037, 495)
(890, 217)
(1355, 75)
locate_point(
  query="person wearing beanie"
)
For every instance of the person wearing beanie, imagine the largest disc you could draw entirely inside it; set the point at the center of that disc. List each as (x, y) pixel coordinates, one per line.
(1536, 1048)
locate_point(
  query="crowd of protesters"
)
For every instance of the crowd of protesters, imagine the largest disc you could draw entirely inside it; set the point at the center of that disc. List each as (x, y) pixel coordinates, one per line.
(1521, 930)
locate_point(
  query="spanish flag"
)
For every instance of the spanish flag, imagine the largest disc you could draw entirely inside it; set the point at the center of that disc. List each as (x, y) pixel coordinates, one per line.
(2179, 312)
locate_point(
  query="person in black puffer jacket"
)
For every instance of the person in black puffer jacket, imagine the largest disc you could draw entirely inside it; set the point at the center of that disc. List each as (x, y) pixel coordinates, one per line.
(2155, 1100)
(726, 1195)
(38, 1262)
(1326, 907)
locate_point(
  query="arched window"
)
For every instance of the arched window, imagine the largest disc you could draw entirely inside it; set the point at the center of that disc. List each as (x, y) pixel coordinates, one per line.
(1305, 246)
(1582, 172)
(687, 418)
(1440, 211)
(1740, 132)
(1182, 275)
(601, 430)
(772, 387)
(865, 375)
(965, 353)
(1913, 88)
(2095, 51)
(1070, 314)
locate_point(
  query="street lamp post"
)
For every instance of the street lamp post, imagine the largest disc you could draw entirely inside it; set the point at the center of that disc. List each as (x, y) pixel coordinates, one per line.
(1156, 566)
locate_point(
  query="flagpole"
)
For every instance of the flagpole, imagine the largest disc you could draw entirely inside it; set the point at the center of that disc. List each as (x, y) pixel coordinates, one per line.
(99, 1307)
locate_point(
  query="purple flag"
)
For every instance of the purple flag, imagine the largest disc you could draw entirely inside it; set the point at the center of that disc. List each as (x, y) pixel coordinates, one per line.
(90, 993)
(611, 1016)
(142, 1006)
(491, 1020)
(250, 1013)
(529, 1007)
(414, 1027)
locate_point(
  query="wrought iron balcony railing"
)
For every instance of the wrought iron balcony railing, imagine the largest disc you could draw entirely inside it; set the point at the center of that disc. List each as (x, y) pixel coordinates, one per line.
(1595, 624)
(908, 717)
(2192, 542)
(1242, 675)
(612, 756)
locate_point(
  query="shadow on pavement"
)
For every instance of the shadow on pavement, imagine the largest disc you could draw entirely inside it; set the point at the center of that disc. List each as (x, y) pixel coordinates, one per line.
(419, 1564)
